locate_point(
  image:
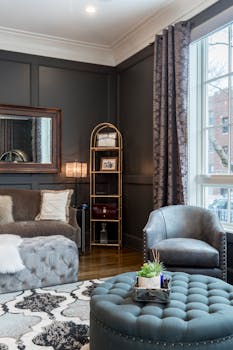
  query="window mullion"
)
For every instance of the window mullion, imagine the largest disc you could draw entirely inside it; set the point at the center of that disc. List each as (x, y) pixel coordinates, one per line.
(229, 97)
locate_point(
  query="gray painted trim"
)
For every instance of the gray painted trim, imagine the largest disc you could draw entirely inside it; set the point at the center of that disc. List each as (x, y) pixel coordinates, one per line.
(34, 81)
(138, 180)
(135, 59)
(214, 23)
(210, 12)
(55, 62)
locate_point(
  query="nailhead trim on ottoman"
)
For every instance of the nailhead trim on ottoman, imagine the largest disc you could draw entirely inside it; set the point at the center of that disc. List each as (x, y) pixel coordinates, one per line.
(199, 315)
(48, 260)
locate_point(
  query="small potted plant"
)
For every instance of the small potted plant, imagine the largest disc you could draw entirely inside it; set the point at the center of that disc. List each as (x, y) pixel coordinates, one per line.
(150, 274)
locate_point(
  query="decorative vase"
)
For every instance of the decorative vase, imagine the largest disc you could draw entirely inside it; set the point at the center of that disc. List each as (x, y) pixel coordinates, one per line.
(152, 282)
(103, 233)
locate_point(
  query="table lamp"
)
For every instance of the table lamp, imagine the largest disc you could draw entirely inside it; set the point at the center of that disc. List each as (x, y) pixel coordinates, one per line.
(77, 170)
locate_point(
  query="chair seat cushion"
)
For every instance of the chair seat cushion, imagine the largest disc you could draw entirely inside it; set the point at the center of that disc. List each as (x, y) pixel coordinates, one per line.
(187, 252)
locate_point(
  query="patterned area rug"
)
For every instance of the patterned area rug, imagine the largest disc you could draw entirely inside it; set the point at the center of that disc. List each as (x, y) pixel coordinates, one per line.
(52, 318)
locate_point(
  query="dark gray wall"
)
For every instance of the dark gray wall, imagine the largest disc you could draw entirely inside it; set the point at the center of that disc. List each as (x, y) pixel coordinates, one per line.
(135, 83)
(86, 93)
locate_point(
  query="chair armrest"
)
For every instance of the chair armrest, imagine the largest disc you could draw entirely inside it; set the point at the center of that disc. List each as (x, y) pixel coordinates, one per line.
(73, 222)
(153, 232)
(214, 234)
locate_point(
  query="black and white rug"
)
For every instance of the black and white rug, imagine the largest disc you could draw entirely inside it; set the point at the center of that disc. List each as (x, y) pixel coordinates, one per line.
(52, 318)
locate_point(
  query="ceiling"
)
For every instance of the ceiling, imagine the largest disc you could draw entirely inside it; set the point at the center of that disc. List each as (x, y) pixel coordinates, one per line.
(63, 29)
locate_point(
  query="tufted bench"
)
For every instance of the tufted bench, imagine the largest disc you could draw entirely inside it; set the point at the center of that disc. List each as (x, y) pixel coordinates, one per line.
(48, 260)
(199, 315)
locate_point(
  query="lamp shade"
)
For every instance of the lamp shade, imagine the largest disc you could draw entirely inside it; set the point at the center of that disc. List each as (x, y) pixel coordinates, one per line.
(76, 169)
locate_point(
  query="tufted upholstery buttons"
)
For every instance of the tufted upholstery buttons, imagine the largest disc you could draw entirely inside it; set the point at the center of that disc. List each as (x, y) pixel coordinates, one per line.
(49, 260)
(198, 314)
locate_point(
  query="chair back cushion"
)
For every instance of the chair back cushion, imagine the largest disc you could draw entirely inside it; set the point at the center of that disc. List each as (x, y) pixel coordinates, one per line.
(184, 221)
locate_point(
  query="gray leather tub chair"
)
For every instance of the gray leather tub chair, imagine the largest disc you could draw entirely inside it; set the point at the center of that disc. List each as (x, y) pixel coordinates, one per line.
(188, 238)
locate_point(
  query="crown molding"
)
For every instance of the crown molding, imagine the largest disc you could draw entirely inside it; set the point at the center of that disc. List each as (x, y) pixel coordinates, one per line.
(49, 46)
(142, 36)
(132, 42)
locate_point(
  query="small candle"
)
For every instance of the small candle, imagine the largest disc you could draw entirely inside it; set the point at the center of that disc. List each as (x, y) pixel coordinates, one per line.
(161, 280)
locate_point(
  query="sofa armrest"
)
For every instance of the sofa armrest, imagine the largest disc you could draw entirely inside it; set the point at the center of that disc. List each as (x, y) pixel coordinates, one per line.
(73, 222)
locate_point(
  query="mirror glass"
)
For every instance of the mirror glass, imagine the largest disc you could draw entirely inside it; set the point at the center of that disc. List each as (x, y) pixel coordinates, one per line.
(25, 139)
(29, 139)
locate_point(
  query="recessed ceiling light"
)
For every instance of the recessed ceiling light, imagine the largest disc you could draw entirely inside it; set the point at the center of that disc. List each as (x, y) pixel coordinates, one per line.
(90, 9)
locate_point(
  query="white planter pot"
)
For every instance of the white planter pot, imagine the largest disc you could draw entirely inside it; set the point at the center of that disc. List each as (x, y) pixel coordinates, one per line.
(153, 282)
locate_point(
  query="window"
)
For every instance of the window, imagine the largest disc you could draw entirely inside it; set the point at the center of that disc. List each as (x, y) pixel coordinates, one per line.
(225, 149)
(211, 123)
(225, 125)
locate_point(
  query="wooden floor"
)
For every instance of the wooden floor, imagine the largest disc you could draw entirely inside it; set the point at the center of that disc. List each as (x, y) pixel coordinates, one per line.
(108, 261)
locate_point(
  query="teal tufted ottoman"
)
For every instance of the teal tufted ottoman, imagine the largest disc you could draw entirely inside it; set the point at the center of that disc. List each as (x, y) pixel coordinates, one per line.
(199, 315)
(48, 260)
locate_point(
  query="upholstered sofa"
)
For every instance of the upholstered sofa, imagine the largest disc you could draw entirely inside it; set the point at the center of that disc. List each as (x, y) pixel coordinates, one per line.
(26, 206)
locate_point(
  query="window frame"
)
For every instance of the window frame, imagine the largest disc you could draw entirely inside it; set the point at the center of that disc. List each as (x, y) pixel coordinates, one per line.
(197, 126)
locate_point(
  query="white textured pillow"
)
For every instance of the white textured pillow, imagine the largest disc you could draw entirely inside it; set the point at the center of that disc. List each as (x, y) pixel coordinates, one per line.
(6, 207)
(55, 205)
(10, 259)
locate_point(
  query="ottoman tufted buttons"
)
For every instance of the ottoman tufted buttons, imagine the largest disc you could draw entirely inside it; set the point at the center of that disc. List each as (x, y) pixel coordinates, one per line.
(203, 317)
(41, 255)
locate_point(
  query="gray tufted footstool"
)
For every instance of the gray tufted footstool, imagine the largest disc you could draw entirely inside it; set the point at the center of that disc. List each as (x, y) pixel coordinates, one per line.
(49, 260)
(199, 315)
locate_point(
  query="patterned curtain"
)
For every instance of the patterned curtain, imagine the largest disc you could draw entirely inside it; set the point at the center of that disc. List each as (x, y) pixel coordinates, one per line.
(36, 140)
(170, 99)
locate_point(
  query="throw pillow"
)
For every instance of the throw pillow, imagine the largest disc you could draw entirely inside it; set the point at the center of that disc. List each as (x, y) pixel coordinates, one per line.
(6, 207)
(10, 259)
(55, 205)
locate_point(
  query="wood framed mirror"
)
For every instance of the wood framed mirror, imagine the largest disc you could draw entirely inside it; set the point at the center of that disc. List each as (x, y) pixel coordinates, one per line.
(30, 139)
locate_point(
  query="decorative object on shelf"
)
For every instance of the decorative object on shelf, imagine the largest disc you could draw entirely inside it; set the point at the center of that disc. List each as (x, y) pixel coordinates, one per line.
(106, 186)
(14, 155)
(77, 170)
(103, 233)
(106, 139)
(104, 211)
(108, 163)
